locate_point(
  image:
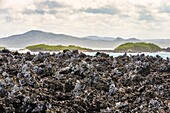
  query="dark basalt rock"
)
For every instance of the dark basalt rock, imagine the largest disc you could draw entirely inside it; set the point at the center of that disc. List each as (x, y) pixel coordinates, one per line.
(98, 54)
(72, 82)
(5, 51)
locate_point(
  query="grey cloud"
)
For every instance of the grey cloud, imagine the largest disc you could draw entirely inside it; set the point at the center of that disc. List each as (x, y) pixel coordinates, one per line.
(30, 12)
(165, 9)
(52, 4)
(48, 4)
(39, 11)
(52, 12)
(9, 19)
(4, 11)
(44, 7)
(110, 11)
(147, 16)
(124, 16)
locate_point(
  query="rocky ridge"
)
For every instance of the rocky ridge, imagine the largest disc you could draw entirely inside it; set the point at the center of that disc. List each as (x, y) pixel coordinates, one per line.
(72, 82)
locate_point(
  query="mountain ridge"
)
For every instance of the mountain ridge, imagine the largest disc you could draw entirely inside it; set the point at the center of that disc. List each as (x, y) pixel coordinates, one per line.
(34, 37)
(99, 38)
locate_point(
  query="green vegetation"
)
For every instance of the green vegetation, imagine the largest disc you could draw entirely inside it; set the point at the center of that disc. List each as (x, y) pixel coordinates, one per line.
(138, 47)
(1, 48)
(44, 47)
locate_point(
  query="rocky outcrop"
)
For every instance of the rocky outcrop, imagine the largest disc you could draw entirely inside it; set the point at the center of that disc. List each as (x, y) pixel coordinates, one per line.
(71, 82)
(167, 49)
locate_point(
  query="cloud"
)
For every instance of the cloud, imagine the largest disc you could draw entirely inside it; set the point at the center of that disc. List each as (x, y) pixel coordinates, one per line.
(146, 16)
(39, 12)
(110, 11)
(43, 7)
(30, 12)
(49, 4)
(4, 11)
(165, 9)
(52, 12)
(84, 17)
(9, 19)
(1, 2)
(40, 7)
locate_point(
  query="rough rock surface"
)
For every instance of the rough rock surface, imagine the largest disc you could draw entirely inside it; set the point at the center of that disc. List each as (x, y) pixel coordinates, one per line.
(73, 82)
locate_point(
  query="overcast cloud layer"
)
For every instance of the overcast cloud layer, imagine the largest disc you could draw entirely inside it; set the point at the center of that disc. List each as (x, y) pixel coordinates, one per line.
(125, 18)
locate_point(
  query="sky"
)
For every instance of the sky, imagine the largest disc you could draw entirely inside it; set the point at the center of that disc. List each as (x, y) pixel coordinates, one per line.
(144, 19)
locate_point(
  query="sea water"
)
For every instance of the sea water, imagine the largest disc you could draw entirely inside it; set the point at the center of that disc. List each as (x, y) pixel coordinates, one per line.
(162, 54)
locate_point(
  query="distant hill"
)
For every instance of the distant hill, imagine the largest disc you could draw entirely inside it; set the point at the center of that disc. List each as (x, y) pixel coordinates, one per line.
(118, 39)
(38, 37)
(99, 38)
(138, 47)
(34, 37)
(133, 40)
(164, 43)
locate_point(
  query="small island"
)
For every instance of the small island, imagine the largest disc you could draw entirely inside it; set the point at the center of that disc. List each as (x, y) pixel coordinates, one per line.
(138, 47)
(1, 48)
(44, 47)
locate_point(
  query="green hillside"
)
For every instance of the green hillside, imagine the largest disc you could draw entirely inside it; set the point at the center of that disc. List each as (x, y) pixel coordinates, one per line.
(1, 48)
(138, 47)
(44, 47)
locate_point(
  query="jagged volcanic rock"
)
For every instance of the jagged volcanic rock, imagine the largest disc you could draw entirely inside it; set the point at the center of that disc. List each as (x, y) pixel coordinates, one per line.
(73, 82)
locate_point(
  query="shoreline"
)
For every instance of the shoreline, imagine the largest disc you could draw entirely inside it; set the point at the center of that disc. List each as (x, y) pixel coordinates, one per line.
(108, 51)
(92, 50)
